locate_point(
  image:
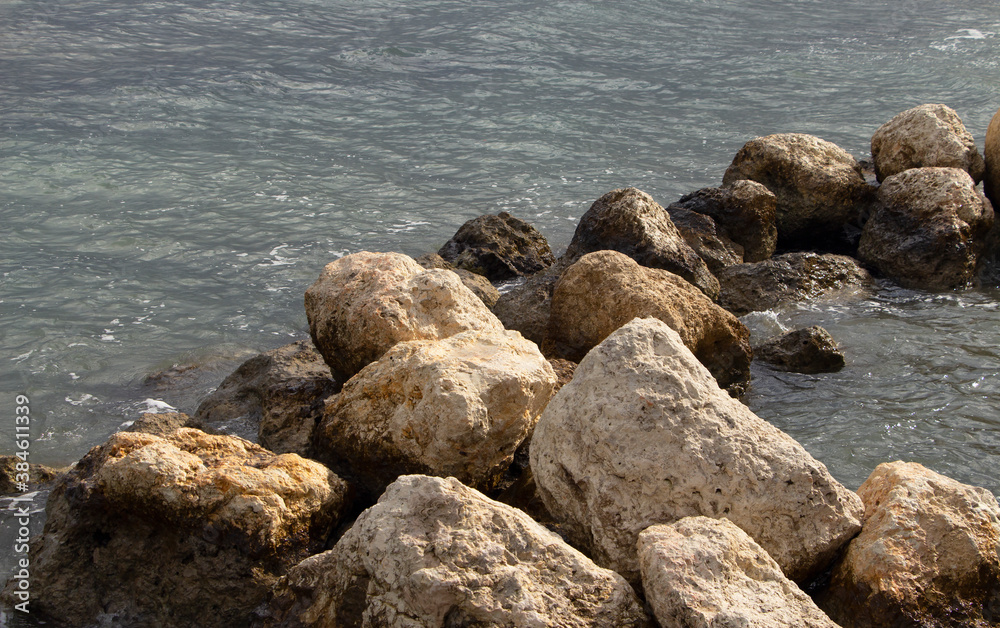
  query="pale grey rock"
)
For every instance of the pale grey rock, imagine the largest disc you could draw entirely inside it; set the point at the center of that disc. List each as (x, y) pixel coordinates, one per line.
(643, 435)
(924, 137)
(707, 573)
(435, 553)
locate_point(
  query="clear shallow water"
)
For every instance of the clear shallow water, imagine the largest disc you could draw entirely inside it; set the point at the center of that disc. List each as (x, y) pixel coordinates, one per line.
(176, 173)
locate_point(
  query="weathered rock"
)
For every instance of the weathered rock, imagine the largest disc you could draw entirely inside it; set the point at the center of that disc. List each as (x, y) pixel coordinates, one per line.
(643, 435)
(707, 573)
(433, 552)
(525, 308)
(499, 247)
(187, 530)
(819, 189)
(605, 290)
(629, 221)
(929, 229)
(363, 304)
(790, 278)
(479, 284)
(458, 406)
(12, 474)
(163, 423)
(991, 179)
(743, 210)
(808, 350)
(926, 555)
(564, 370)
(281, 393)
(702, 235)
(925, 137)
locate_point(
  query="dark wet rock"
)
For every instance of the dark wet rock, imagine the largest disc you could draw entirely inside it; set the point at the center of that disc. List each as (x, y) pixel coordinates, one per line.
(525, 308)
(12, 475)
(498, 247)
(564, 370)
(743, 211)
(928, 136)
(809, 350)
(479, 284)
(702, 235)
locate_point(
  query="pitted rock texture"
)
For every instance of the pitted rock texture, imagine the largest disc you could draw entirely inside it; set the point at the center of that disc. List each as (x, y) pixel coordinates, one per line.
(707, 573)
(743, 211)
(808, 350)
(927, 136)
(435, 553)
(479, 284)
(643, 435)
(499, 247)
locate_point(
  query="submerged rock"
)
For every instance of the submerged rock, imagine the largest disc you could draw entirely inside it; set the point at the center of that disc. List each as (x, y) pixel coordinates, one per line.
(808, 350)
(926, 555)
(708, 573)
(433, 552)
(643, 435)
(499, 247)
(924, 137)
(479, 284)
(743, 210)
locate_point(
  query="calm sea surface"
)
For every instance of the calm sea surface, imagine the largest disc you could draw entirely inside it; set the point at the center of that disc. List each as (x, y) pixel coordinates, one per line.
(175, 174)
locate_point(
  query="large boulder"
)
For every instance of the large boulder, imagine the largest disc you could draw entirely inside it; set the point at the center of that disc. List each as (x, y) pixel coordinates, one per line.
(924, 137)
(458, 406)
(643, 435)
(790, 278)
(433, 552)
(629, 221)
(479, 284)
(705, 238)
(707, 573)
(991, 179)
(187, 530)
(807, 350)
(819, 188)
(929, 229)
(605, 290)
(363, 304)
(499, 247)
(926, 556)
(743, 211)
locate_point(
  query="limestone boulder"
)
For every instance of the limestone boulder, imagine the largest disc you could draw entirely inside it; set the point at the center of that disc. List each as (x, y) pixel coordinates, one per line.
(434, 552)
(185, 530)
(363, 304)
(643, 435)
(499, 247)
(702, 572)
(925, 137)
(819, 188)
(791, 278)
(604, 290)
(459, 406)
(479, 284)
(807, 350)
(744, 211)
(929, 229)
(991, 179)
(926, 555)
(629, 221)
(706, 239)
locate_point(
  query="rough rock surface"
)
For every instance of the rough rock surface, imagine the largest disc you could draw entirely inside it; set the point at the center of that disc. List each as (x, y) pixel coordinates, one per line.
(526, 308)
(433, 552)
(11, 476)
(604, 290)
(991, 180)
(458, 406)
(929, 229)
(705, 238)
(363, 304)
(188, 530)
(281, 391)
(707, 573)
(790, 278)
(808, 350)
(629, 221)
(643, 435)
(499, 247)
(743, 210)
(163, 423)
(479, 284)
(819, 189)
(926, 556)
(924, 137)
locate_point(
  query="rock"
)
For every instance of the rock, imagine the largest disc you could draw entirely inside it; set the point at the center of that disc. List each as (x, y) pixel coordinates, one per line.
(819, 189)
(790, 278)
(12, 474)
(433, 552)
(702, 235)
(363, 304)
(929, 229)
(163, 423)
(926, 555)
(991, 179)
(707, 573)
(629, 221)
(605, 290)
(743, 210)
(809, 350)
(499, 247)
(479, 284)
(564, 370)
(187, 530)
(642, 435)
(280, 393)
(458, 406)
(924, 137)
(525, 308)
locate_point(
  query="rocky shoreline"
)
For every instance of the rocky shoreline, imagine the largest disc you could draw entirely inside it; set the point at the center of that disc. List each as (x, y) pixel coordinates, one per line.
(571, 452)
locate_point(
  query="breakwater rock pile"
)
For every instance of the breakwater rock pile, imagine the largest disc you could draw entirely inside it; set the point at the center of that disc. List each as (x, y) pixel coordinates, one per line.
(569, 451)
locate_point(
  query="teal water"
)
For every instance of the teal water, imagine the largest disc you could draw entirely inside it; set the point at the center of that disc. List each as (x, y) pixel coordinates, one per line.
(176, 173)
